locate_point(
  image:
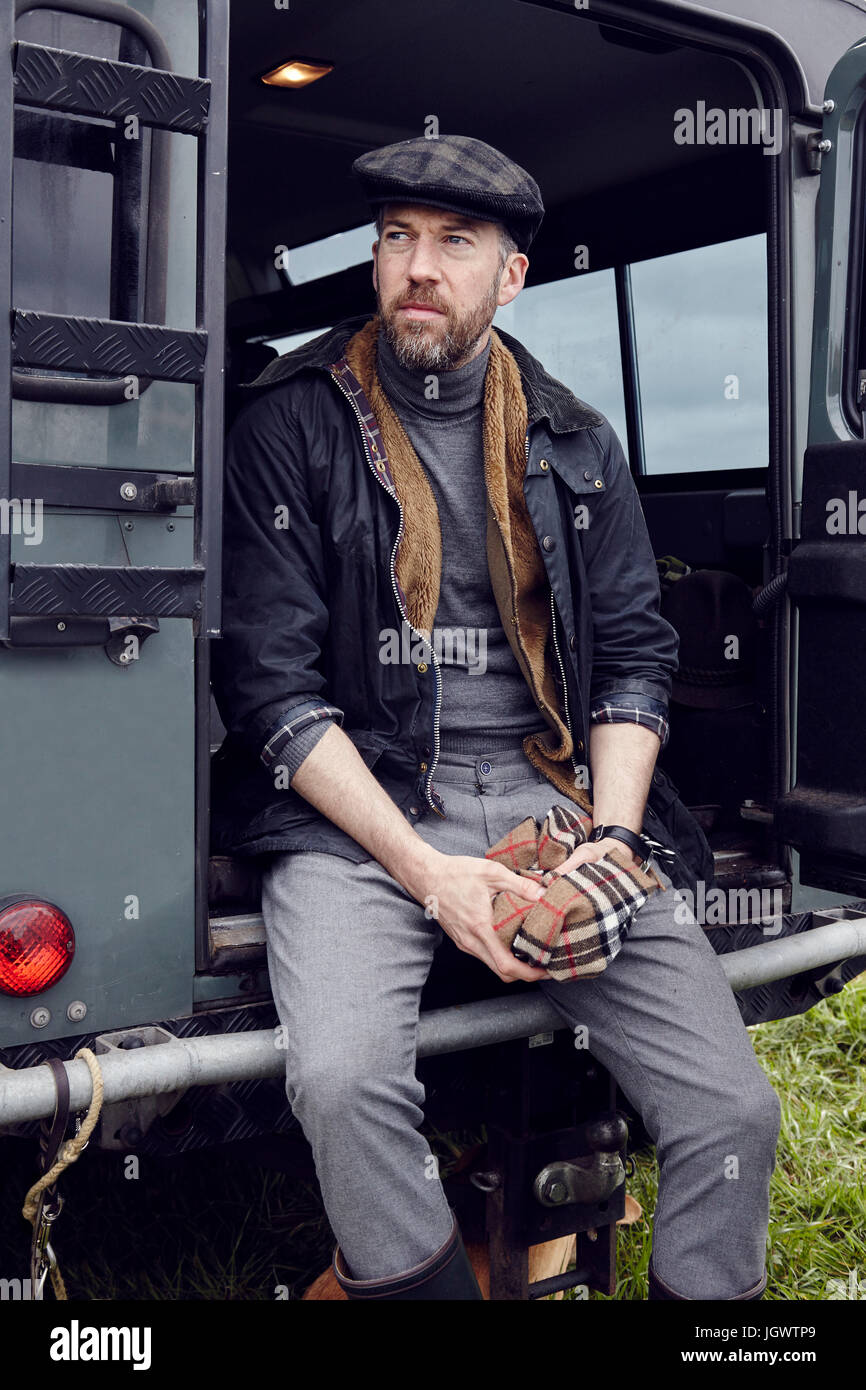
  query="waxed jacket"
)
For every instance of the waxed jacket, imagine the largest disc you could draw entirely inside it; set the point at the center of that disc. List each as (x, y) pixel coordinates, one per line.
(308, 585)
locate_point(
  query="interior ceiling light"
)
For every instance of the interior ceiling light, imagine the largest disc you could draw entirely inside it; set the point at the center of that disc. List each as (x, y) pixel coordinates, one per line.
(297, 74)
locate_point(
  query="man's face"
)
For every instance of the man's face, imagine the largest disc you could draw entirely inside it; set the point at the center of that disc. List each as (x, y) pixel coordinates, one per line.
(439, 280)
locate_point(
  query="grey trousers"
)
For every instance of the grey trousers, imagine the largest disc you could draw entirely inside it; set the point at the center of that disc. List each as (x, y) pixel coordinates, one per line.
(349, 952)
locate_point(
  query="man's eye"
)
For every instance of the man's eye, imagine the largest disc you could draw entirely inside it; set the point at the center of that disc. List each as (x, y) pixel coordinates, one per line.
(455, 236)
(391, 236)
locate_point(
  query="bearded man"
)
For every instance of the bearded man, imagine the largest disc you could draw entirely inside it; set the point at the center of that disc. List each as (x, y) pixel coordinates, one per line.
(430, 470)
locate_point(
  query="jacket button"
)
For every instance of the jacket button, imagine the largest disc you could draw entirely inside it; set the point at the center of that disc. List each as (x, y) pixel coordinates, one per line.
(413, 810)
(548, 543)
(422, 666)
(572, 641)
(587, 475)
(543, 465)
(580, 745)
(598, 483)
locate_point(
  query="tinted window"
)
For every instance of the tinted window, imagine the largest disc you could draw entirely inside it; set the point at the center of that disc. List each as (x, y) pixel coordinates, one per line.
(571, 327)
(293, 340)
(701, 328)
(330, 255)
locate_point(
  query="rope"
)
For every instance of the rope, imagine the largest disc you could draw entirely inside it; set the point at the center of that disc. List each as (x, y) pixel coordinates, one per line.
(68, 1154)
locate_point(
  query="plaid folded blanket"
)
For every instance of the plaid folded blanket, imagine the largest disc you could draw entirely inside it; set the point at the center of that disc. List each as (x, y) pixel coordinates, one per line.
(580, 923)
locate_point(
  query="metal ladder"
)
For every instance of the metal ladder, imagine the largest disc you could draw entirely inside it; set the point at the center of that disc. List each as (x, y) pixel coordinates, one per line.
(54, 79)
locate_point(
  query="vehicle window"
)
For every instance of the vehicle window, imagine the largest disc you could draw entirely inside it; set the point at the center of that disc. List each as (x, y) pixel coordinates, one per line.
(293, 340)
(701, 329)
(72, 237)
(330, 255)
(571, 326)
(700, 320)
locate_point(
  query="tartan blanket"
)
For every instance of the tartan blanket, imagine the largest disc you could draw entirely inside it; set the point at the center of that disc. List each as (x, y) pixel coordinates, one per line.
(577, 928)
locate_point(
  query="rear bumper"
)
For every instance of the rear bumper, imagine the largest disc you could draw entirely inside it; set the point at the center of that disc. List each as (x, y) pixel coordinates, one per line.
(149, 1070)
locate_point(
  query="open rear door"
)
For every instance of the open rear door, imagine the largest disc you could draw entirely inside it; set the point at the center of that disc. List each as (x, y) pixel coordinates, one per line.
(112, 237)
(824, 816)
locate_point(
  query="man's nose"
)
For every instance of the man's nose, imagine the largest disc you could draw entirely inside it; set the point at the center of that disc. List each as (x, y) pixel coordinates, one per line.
(424, 261)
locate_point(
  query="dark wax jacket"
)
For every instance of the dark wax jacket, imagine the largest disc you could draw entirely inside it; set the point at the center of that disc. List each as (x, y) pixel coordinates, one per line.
(308, 586)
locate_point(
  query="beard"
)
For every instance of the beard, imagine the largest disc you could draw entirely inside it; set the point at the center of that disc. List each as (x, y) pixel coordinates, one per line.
(434, 344)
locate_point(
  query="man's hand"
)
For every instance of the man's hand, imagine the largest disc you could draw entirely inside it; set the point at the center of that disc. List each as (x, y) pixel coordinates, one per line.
(458, 888)
(459, 893)
(586, 853)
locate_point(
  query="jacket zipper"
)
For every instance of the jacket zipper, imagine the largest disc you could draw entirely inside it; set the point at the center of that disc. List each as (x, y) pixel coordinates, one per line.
(431, 797)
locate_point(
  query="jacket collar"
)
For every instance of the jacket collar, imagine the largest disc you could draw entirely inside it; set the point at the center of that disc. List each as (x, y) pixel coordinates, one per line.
(546, 398)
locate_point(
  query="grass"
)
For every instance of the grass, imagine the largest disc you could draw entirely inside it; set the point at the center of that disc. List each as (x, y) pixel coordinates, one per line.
(818, 1190)
(211, 1226)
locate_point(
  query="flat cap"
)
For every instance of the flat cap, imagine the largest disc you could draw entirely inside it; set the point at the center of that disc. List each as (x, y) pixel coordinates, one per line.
(458, 173)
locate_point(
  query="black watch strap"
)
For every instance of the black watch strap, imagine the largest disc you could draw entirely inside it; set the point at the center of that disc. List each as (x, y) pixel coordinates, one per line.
(641, 845)
(621, 832)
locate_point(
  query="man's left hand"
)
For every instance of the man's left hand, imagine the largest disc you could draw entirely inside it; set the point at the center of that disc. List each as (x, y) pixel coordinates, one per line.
(587, 853)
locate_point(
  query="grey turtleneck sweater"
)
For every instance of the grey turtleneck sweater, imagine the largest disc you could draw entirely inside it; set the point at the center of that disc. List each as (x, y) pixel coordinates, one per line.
(486, 703)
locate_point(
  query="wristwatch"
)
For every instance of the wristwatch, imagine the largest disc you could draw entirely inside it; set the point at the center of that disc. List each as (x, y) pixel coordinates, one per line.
(640, 845)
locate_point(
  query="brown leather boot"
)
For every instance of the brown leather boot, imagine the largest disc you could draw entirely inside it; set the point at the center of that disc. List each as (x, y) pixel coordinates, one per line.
(445, 1275)
(658, 1289)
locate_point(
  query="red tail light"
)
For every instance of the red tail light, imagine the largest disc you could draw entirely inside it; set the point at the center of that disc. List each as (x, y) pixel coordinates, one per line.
(37, 944)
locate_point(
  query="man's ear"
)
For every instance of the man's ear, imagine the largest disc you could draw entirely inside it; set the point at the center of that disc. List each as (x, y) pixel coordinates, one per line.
(513, 277)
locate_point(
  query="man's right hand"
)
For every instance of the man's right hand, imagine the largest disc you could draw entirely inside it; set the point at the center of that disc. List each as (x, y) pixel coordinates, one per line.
(457, 888)
(458, 893)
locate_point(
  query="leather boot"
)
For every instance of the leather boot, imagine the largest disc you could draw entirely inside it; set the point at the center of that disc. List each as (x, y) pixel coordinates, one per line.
(446, 1275)
(659, 1290)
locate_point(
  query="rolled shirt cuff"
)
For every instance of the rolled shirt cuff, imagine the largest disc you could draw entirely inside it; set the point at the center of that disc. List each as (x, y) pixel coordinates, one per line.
(633, 709)
(295, 750)
(288, 731)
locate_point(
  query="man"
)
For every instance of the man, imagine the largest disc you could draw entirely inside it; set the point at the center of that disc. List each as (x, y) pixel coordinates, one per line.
(407, 476)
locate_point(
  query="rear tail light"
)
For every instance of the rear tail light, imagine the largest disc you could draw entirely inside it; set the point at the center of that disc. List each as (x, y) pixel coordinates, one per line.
(37, 944)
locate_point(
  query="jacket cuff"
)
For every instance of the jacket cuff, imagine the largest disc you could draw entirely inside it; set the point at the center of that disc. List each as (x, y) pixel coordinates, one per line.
(629, 708)
(285, 730)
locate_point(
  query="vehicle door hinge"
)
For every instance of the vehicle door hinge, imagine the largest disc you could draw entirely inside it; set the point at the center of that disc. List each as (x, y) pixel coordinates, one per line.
(817, 145)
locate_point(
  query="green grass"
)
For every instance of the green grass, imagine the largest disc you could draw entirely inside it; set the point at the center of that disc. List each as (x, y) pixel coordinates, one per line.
(818, 1190)
(211, 1226)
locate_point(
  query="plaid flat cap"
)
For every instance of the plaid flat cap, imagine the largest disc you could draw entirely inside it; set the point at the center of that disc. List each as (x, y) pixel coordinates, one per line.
(579, 925)
(458, 173)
